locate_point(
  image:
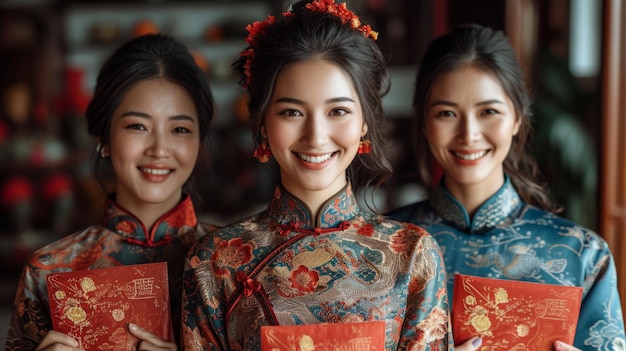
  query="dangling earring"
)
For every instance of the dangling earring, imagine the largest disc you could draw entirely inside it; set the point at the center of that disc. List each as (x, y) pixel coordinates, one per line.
(364, 146)
(263, 152)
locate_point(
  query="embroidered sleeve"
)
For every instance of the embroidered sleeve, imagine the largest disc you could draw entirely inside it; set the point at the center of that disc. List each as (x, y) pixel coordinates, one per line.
(426, 326)
(601, 324)
(30, 320)
(199, 325)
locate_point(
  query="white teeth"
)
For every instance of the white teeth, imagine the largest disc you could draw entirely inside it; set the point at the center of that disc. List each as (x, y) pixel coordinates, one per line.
(155, 171)
(470, 157)
(315, 159)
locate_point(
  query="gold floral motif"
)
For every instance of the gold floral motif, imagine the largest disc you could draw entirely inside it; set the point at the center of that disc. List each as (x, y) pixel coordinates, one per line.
(306, 343)
(501, 295)
(76, 314)
(59, 294)
(508, 317)
(118, 314)
(523, 330)
(87, 284)
(481, 323)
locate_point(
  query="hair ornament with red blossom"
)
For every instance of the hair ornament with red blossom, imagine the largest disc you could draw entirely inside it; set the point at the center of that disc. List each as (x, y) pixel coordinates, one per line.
(329, 6)
(341, 11)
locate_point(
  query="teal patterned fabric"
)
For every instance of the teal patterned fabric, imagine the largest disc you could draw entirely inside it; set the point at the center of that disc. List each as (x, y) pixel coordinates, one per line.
(284, 267)
(509, 239)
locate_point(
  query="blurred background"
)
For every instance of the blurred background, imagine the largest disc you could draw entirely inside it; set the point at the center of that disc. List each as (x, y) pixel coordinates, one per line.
(51, 50)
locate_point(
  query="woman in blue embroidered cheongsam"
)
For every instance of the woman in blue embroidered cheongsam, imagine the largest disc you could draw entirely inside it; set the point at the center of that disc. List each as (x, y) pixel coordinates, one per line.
(489, 214)
(150, 113)
(315, 78)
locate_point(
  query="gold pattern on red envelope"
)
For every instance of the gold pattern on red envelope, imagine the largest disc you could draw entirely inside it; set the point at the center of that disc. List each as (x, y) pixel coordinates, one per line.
(95, 306)
(361, 336)
(514, 315)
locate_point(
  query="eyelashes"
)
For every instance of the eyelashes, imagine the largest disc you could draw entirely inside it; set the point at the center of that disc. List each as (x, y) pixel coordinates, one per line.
(336, 112)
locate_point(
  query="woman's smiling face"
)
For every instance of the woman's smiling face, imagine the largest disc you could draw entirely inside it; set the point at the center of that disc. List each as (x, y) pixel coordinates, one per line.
(154, 144)
(313, 126)
(470, 124)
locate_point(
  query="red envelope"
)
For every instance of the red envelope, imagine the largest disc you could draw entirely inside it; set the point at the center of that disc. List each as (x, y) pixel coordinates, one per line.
(95, 306)
(514, 315)
(363, 336)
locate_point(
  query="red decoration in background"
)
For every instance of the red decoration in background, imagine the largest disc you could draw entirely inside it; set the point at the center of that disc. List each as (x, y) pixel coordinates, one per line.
(56, 186)
(200, 60)
(145, 27)
(16, 190)
(4, 130)
(74, 99)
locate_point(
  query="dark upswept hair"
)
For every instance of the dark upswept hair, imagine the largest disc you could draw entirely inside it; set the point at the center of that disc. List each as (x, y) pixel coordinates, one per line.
(489, 51)
(153, 56)
(306, 35)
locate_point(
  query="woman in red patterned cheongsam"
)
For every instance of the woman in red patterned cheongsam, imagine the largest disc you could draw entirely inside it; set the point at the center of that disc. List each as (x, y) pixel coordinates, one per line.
(150, 113)
(316, 79)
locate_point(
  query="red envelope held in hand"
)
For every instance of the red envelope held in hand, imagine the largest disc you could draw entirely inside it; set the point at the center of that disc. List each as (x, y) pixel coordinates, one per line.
(95, 306)
(363, 336)
(514, 315)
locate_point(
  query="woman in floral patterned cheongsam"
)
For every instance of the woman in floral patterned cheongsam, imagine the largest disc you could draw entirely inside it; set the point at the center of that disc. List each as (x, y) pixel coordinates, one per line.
(150, 113)
(488, 213)
(315, 78)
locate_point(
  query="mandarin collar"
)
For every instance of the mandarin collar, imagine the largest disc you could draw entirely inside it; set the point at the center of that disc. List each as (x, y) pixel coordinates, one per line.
(287, 209)
(496, 210)
(171, 224)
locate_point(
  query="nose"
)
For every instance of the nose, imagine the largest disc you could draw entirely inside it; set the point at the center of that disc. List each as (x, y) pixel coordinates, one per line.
(160, 145)
(315, 132)
(469, 128)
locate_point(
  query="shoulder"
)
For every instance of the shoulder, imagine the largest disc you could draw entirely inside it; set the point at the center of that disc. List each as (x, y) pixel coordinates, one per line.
(236, 229)
(204, 228)
(391, 226)
(84, 237)
(57, 252)
(563, 226)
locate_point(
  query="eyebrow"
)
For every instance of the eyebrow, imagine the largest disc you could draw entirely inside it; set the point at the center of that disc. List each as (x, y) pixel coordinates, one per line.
(145, 115)
(300, 102)
(453, 104)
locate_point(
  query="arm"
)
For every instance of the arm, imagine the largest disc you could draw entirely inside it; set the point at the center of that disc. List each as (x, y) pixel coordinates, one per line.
(197, 325)
(30, 321)
(426, 324)
(600, 324)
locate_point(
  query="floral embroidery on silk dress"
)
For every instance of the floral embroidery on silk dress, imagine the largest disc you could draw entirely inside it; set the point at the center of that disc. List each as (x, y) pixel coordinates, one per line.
(509, 239)
(121, 240)
(282, 267)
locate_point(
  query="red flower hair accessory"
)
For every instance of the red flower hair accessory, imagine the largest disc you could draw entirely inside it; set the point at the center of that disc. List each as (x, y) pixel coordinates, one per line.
(254, 29)
(347, 16)
(328, 6)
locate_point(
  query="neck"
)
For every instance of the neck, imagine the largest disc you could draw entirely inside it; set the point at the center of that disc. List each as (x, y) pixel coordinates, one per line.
(148, 213)
(315, 199)
(314, 203)
(472, 196)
